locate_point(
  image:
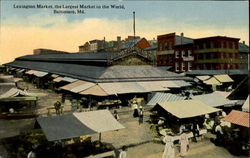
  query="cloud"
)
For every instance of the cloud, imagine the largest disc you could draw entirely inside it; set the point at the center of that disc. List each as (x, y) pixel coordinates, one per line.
(19, 37)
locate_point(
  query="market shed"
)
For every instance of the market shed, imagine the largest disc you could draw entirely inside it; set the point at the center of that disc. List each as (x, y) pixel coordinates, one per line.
(187, 108)
(74, 125)
(164, 97)
(15, 94)
(238, 117)
(214, 99)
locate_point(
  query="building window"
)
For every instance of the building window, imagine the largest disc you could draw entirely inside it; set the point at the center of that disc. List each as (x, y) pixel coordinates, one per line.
(182, 66)
(230, 55)
(177, 54)
(212, 56)
(170, 59)
(190, 53)
(170, 45)
(227, 44)
(233, 45)
(182, 53)
(166, 45)
(211, 44)
(176, 66)
(189, 66)
(204, 46)
(160, 46)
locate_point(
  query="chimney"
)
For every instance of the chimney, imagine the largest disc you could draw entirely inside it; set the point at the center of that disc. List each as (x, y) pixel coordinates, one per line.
(118, 38)
(182, 34)
(243, 42)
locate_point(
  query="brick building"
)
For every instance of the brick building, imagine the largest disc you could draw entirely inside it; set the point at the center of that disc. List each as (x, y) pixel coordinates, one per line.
(175, 51)
(216, 53)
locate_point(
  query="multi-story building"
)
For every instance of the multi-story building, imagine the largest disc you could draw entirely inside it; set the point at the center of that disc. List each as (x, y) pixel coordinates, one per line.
(244, 56)
(175, 51)
(84, 48)
(216, 53)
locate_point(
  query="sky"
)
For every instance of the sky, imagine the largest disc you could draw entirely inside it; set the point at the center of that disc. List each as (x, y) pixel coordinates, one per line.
(22, 29)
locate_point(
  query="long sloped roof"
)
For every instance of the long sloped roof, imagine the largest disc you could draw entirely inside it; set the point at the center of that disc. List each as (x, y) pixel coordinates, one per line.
(90, 56)
(99, 73)
(164, 97)
(215, 72)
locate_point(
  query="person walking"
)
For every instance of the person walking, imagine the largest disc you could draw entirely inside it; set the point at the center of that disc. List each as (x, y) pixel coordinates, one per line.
(141, 115)
(57, 106)
(184, 144)
(169, 147)
(116, 116)
(123, 153)
(135, 107)
(195, 130)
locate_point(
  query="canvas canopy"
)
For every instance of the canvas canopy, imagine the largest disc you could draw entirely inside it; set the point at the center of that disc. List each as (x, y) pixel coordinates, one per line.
(78, 86)
(203, 78)
(223, 78)
(187, 108)
(245, 106)
(214, 99)
(40, 73)
(212, 81)
(78, 124)
(99, 121)
(95, 90)
(13, 92)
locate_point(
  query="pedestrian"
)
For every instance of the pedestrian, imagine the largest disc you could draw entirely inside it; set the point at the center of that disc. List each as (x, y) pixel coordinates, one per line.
(135, 107)
(184, 144)
(57, 106)
(195, 130)
(141, 115)
(123, 153)
(169, 147)
(31, 154)
(116, 115)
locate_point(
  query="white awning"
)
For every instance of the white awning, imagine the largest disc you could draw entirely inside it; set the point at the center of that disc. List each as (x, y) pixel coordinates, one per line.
(187, 108)
(245, 106)
(100, 120)
(40, 73)
(78, 86)
(223, 78)
(122, 88)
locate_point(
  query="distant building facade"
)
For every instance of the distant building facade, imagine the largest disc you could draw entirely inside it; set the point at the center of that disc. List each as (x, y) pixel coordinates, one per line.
(244, 56)
(175, 51)
(47, 51)
(216, 53)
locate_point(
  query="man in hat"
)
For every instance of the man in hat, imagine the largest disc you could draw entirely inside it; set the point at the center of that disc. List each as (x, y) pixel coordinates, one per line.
(57, 106)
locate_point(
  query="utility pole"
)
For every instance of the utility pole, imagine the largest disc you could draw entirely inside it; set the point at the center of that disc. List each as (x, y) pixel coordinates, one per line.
(134, 24)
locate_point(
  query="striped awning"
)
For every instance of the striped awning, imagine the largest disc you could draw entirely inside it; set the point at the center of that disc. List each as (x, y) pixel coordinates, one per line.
(238, 117)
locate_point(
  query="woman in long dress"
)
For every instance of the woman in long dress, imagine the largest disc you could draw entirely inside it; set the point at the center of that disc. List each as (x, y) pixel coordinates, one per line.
(169, 147)
(183, 144)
